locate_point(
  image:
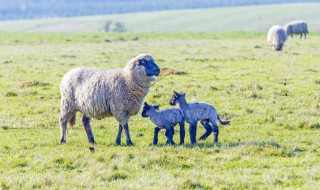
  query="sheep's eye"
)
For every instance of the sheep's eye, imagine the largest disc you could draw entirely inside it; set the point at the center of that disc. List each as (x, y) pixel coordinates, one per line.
(142, 62)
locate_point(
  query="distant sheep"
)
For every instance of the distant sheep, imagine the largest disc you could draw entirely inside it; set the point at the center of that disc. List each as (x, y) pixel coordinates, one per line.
(165, 119)
(296, 27)
(195, 112)
(99, 93)
(276, 37)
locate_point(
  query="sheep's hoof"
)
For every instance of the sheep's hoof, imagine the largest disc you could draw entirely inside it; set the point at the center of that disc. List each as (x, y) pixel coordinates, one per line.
(129, 143)
(62, 141)
(182, 143)
(91, 149)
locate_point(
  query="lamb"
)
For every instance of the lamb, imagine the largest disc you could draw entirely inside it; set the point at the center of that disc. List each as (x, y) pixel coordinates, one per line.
(276, 37)
(99, 93)
(195, 112)
(296, 27)
(165, 119)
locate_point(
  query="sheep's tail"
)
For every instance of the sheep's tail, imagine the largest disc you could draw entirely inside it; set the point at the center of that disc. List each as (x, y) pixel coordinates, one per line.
(72, 121)
(223, 122)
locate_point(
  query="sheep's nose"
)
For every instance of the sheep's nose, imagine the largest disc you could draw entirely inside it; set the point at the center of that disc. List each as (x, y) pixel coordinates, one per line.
(157, 71)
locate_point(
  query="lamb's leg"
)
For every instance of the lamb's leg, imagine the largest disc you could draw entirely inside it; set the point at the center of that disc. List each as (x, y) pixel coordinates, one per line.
(64, 118)
(172, 132)
(215, 130)
(155, 138)
(126, 131)
(182, 133)
(118, 139)
(169, 134)
(193, 132)
(208, 129)
(87, 128)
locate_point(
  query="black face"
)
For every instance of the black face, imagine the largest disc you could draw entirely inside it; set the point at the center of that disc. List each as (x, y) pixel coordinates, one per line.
(278, 47)
(150, 66)
(174, 99)
(146, 107)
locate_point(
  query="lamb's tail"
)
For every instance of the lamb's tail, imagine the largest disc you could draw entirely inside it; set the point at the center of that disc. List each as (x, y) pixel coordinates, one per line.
(223, 122)
(72, 120)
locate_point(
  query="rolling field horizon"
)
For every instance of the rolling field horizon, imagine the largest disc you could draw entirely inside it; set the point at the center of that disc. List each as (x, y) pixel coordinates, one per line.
(243, 18)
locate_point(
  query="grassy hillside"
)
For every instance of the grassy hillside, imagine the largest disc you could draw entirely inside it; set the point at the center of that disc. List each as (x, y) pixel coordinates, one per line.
(272, 100)
(249, 18)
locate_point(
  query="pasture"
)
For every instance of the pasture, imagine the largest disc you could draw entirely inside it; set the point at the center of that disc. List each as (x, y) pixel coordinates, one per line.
(272, 100)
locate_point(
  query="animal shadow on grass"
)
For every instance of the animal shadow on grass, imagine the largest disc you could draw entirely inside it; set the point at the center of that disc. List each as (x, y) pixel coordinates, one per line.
(234, 144)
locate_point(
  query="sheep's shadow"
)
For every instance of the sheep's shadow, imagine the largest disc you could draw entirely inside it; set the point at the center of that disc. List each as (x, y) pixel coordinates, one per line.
(234, 144)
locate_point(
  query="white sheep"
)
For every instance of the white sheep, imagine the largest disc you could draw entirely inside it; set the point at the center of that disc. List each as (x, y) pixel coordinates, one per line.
(99, 93)
(276, 37)
(195, 112)
(164, 119)
(296, 27)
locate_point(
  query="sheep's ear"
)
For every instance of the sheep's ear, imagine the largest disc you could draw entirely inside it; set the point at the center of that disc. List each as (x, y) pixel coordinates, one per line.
(145, 104)
(156, 107)
(184, 94)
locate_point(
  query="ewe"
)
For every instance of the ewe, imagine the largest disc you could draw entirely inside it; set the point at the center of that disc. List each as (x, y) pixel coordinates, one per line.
(99, 93)
(276, 37)
(297, 27)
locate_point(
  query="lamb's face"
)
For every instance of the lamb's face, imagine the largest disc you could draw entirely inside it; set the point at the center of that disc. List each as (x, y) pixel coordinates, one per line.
(146, 109)
(144, 66)
(175, 100)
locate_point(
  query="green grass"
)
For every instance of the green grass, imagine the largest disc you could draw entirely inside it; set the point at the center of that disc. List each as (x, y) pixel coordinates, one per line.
(272, 100)
(247, 18)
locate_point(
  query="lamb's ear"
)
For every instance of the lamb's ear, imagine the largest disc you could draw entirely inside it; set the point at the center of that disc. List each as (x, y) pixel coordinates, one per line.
(156, 107)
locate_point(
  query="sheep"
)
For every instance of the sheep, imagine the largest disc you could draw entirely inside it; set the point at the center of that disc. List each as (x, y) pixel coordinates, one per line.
(99, 93)
(276, 37)
(195, 112)
(164, 119)
(296, 27)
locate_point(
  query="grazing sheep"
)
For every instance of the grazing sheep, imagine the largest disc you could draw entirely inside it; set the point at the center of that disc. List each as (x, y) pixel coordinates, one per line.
(99, 93)
(195, 112)
(296, 27)
(276, 37)
(165, 119)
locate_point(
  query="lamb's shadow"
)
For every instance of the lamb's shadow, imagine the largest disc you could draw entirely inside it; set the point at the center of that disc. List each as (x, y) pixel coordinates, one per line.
(235, 144)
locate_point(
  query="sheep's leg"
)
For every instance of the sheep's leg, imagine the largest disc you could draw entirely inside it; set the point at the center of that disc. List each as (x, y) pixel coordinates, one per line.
(169, 134)
(208, 129)
(300, 35)
(182, 133)
(172, 132)
(215, 130)
(155, 138)
(126, 131)
(193, 132)
(87, 128)
(118, 139)
(64, 118)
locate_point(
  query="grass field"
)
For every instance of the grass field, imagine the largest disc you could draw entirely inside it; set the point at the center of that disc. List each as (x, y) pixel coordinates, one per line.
(272, 100)
(247, 18)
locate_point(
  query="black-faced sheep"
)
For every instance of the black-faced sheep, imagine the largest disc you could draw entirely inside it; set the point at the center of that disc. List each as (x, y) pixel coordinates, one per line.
(195, 112)
(164, 119)
(296, 27)
(99, 93)
(276, 37)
